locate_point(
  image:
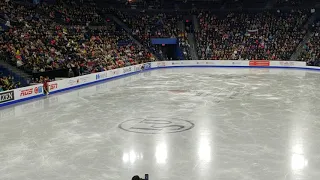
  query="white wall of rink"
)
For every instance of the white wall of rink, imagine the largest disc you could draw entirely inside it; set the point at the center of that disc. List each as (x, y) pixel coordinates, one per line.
(31, 92)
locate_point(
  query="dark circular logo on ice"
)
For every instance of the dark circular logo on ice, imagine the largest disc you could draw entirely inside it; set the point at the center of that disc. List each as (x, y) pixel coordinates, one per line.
(156, 125)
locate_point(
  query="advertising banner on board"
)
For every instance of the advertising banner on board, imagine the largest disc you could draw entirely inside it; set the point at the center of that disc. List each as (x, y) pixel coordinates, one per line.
(72, 82)
(200, 62)
(101, 75)
(161, 64)
(176, 63)
(65, 84)
(6, 96)
(259, 63)
(147, 66)
(288, 63)
(137, 68)
(27, 92)
(127, 70)
(114, 72)
(53, 86)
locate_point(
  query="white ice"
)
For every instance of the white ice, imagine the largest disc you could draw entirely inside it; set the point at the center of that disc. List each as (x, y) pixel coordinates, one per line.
(174, 124)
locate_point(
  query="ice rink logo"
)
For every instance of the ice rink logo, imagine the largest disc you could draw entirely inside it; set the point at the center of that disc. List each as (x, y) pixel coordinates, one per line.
(157, 125)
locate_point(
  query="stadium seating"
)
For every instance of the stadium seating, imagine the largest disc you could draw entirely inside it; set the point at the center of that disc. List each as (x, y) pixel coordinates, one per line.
(311, 50)
(71, 13)
(266, 35)
(160, 25)
(296, 3)
(37, 43)
(78, 36)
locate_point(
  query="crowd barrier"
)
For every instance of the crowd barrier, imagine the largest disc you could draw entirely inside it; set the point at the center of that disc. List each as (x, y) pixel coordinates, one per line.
(31, 92)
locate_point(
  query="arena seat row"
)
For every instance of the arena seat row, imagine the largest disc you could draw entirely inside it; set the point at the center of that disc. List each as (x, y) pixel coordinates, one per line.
(296, 3)
(209, 5)
(68, 36)
(266, 35)
(37, 43)
(70, 13)
(159, 25)
(311, 50)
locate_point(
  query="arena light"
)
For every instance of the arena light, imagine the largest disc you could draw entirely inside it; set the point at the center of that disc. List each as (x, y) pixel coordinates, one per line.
(204, 150)
(298, 162)
(161, 153)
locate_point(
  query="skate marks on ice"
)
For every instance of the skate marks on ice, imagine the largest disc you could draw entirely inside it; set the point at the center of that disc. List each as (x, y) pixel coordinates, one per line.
(248, 125)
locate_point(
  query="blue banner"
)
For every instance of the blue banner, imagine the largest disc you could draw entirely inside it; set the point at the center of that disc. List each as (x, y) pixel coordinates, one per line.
(164, 40)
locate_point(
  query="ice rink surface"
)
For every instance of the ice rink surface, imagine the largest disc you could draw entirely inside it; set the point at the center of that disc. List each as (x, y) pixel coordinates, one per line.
(175, 124)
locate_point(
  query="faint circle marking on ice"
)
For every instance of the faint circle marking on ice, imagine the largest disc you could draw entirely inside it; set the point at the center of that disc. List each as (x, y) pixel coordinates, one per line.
(156, 125)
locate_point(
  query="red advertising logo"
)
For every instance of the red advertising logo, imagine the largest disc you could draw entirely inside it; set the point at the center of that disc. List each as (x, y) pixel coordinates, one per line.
(26, 92)
(36, 90)
(53, 86)
(259, 63)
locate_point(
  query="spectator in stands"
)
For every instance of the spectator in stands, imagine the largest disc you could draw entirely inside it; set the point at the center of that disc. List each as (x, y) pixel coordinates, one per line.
(38, 43)
(258, 36)
(184, 44)
(311, 50)
(146, 26)
(70, 73)
(8, 83)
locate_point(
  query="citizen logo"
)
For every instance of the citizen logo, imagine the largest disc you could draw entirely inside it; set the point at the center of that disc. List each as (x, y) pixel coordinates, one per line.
(6, 96)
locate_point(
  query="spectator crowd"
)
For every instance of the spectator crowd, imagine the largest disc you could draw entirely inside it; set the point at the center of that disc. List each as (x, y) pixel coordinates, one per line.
(37, 43)
(7, 83)
(311, 49)
(81, 40)
(71, 13)
(258, 36)
(159, 25)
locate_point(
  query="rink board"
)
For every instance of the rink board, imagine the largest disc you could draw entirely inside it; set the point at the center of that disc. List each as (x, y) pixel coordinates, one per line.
(36, 91)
